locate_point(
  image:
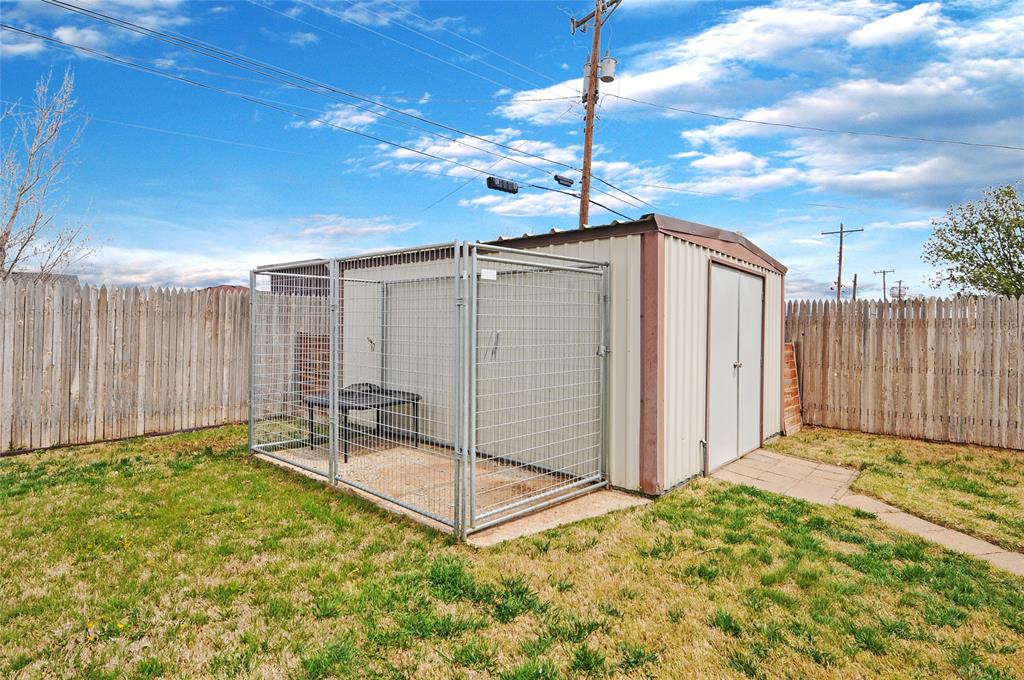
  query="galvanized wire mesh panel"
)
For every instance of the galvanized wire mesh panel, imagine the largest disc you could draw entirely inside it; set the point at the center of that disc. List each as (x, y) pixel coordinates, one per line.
(290, 328)
(399, 335)
(538, 363)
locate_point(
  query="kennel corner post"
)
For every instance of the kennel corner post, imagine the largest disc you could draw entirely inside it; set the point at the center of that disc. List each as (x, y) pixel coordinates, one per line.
(604, 353)
(332, 371)
(461, 413)
(252, 358)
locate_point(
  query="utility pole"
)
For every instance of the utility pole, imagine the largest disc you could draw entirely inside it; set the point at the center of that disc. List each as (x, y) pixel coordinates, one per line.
(602, 10)
(883, 272)
(854, 298)
(843, 231)
(900, 291)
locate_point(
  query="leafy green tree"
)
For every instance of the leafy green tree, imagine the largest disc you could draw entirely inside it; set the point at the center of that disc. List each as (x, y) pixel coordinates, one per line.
(979, 248)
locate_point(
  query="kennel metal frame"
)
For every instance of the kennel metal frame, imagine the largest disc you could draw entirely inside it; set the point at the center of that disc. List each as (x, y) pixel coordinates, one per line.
(556, 306)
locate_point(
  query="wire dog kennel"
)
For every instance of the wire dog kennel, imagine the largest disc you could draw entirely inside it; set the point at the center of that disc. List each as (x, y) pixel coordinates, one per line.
(464, 382)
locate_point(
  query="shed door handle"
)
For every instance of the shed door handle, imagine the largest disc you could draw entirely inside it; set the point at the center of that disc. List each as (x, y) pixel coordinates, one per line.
(737, 364)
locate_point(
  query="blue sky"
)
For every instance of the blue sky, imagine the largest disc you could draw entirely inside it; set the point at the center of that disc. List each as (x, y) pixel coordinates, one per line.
(190, 187)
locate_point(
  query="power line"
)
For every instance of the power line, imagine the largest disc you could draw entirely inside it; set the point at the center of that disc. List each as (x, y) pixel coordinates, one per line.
(473, 57)
(341, 17)
(240, 61)
(178, 133)
(811, 128)
(488, 49)
(257, 100)
(282, 75)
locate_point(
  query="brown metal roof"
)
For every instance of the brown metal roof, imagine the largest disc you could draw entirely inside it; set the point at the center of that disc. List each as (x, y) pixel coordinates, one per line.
(721, 240)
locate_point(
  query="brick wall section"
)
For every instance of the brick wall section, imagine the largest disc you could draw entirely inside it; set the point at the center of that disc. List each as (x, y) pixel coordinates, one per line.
(790, 391)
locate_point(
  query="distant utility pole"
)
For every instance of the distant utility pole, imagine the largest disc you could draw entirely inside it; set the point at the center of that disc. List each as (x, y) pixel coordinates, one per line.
(606, 71)
(899, 291)
(854, 298)
(843, 231)
(883, 272)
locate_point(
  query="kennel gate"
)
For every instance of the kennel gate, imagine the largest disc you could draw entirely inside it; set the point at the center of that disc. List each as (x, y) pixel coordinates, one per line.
(464, 382)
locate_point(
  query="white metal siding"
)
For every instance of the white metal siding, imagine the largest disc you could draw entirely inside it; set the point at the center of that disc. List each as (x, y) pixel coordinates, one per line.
(773, 320)
(685, 361)
(623, 420)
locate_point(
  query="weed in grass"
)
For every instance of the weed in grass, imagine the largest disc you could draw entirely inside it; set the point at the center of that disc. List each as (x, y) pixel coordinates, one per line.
(17, 662)
(819, 656)
(515, 597)
(570, 627)
(588, 661)
(533, 669)
(476, 654)
(562, 585)
(663, 547)
(743, 663)
(537, 646)
(939, 613)
(450, 579)
(864, 514)
(334, 659)
(869, 638)
(610, 610)
(897, 458)
(239, 660)
(725, 622)
(807, 578)
(279, 608)
(329, 605)
(707, 571)
(633, 656)
(969, 665)
(425, 623)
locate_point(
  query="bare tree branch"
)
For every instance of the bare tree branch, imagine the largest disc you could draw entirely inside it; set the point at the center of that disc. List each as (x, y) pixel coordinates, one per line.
(31, 170)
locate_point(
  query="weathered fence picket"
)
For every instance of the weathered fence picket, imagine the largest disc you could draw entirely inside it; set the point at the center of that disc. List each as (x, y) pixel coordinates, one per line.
(948, 370)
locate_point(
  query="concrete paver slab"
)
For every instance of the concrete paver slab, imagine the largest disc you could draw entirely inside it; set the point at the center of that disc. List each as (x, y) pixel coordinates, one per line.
(866, 503)
(911, 523)
(961, 542)
(586, 506)
(1010, 561)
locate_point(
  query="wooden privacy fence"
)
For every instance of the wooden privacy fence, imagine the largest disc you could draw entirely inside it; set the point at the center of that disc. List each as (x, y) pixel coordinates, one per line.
(81, 364)
(940, 369)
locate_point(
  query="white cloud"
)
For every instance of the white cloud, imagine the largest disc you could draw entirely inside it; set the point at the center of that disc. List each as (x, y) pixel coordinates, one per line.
(340, 225)
(526, 204)
(905, 224)
(920, 20)
(808, 242)
(301, 39)
(86, 37)
(19, 47)
(745, 185)
(342, 115)
(728, 160)
(681, 70)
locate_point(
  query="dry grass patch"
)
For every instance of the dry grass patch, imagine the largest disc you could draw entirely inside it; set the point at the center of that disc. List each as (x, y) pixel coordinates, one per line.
(975, 489)
(183, 557)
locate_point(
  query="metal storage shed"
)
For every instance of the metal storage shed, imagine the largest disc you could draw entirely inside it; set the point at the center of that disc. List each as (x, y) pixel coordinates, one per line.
(474, 383)
(675, 409)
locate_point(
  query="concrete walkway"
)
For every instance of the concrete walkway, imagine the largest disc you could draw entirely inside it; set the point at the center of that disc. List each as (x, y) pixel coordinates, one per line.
(829, 485)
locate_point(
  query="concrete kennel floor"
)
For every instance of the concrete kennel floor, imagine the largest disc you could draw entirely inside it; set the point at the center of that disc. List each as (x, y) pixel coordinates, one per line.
(424, 478)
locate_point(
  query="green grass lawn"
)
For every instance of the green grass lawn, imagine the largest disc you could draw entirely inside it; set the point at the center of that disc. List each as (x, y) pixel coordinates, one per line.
(975, 489)
(183, 556)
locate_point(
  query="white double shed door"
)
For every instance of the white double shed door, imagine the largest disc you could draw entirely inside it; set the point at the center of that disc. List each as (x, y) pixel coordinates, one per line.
(734, 364)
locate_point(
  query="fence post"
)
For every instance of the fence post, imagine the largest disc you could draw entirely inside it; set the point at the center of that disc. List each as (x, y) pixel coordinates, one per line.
(252, 356)
(332, 380)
